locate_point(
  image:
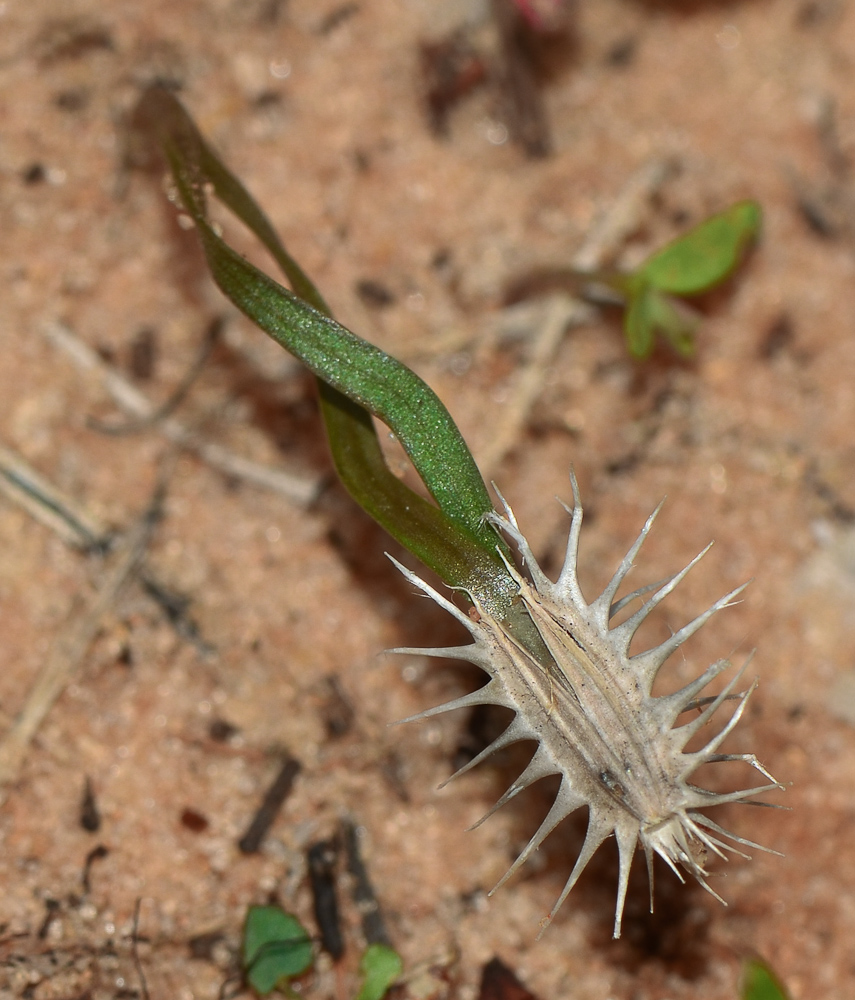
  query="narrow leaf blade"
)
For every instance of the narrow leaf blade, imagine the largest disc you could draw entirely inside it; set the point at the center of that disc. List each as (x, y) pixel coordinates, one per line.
(356, 378)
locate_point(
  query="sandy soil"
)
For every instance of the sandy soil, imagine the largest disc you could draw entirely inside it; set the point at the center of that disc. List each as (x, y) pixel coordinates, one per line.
(320, 108)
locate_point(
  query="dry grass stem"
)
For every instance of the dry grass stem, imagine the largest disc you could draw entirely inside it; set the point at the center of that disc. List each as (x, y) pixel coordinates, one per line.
(31, 491)
(69, 650)
(561, 311)
(26, 488)
(298, 489)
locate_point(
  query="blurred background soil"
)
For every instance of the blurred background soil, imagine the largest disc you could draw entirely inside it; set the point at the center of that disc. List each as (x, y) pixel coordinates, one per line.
(422, 160)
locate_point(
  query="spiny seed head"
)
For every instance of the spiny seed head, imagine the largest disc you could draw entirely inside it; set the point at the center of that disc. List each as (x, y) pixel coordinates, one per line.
(589, 708)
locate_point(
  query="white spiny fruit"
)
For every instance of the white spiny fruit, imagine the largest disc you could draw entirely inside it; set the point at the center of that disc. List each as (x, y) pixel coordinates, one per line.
(616, 748)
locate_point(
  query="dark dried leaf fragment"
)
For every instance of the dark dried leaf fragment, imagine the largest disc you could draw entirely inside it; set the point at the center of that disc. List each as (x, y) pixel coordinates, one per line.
(498, 982)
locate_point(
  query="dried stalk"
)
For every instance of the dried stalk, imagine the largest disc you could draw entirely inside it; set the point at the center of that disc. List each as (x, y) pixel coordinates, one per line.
(69, 650)
(563, 311)
(298, 489)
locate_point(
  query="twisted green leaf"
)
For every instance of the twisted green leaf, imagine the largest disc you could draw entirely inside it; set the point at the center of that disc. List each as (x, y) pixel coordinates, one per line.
(357, 379)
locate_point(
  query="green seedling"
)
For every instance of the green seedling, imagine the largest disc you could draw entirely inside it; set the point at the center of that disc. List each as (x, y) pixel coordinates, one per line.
(690, 265)
(568, 691)
(356, 380)
(381, 966)
(275, 948)
(760, 983)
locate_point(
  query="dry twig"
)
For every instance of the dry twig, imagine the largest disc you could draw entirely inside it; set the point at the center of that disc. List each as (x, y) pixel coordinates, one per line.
(21, 484)
(298, 489)
(563, 311)
(70, 648)
(165, 410)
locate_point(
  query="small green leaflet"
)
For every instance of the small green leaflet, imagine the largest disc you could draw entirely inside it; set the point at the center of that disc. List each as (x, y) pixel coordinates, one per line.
(760, 983)
(275, 947)
(706, 255)
(692, 264)
(381, 966)
(649, 312)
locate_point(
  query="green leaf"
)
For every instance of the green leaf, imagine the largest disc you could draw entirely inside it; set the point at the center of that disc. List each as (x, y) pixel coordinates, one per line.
(704, 256)
(760, 983)
(357, 380)
(649, 312)
(381, 966)
(638, 323)
(368, 377)
(275, 947)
